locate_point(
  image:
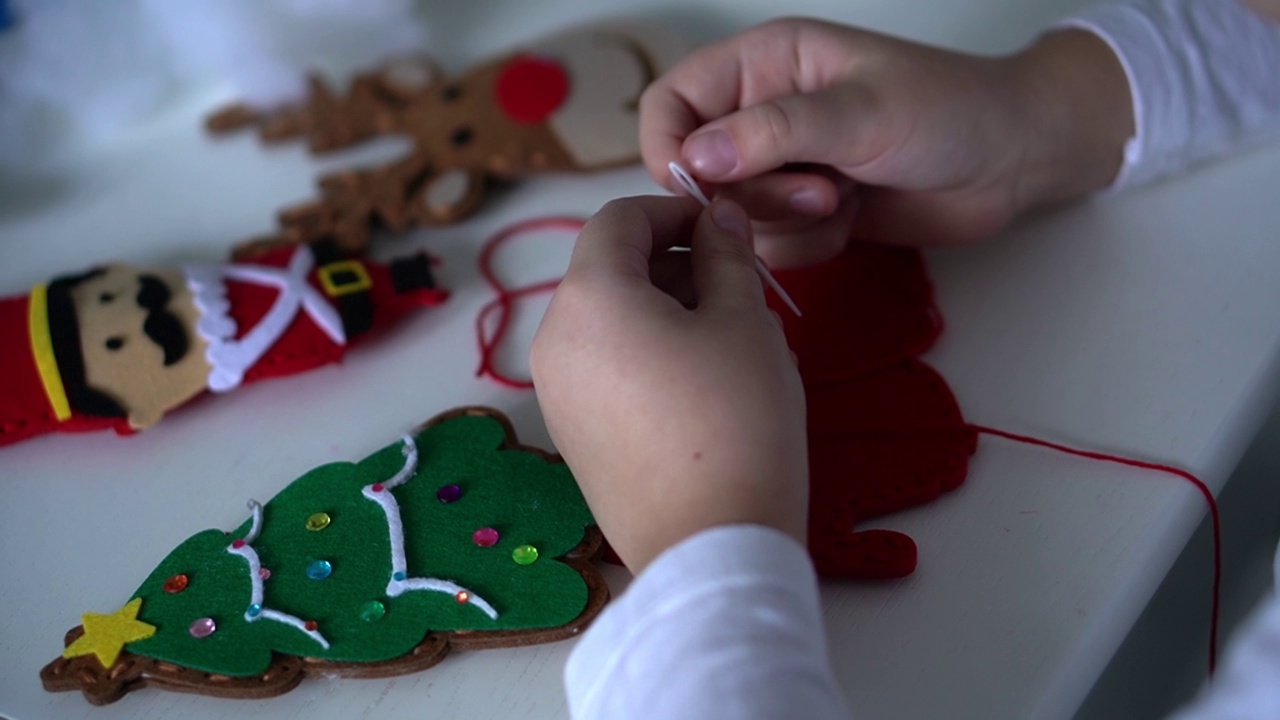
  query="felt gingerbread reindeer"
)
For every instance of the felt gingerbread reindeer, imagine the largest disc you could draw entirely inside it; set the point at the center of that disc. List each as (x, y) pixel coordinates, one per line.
(565, 103)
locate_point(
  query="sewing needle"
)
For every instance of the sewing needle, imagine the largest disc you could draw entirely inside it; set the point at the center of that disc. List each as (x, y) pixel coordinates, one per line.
(687, 182)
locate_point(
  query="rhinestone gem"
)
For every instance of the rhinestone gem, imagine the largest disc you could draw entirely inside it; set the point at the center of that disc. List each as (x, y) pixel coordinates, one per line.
(372, 611)
(176, 584)
(398, 575)
(377, 487)
(485, 537)
(202, 628)
(318, 521)
(254, 610)
(264, 573)
(448, 493)
(238, 544)
(310, 625)
(463, 597)
(319, 569)
(525, 555)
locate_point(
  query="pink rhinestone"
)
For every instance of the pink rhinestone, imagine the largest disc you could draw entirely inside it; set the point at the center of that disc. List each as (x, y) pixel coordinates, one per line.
(238, 544)
(485, 537)
(264, 573)
(377, 487)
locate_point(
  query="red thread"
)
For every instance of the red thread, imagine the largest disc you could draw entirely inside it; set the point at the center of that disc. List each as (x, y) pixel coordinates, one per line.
(1197, 482)
(506, 297)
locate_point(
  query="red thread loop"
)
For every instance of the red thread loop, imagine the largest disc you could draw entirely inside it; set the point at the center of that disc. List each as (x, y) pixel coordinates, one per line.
(1197, 482)
(505, 299)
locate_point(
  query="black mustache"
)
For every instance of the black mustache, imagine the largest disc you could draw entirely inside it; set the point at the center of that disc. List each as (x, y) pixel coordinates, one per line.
(163, 327)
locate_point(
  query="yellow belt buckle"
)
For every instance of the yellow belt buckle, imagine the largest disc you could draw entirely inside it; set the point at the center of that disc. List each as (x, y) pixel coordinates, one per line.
(336, 286)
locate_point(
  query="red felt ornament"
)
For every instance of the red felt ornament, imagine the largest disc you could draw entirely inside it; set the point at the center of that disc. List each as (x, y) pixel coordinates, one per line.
(885, 432)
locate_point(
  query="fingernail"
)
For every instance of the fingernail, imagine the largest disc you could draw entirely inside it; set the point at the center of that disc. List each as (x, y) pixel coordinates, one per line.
(711, 154)
(808, 201)
(731, 218)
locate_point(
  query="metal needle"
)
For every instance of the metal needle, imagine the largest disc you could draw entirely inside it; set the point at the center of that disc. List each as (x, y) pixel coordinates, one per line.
(687, 182)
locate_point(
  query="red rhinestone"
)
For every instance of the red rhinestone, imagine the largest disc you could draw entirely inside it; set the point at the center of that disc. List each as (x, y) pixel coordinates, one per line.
(310, 625)
(238, 544)
(485, 537)
(463, 597)
(175, 584)
(377, 487)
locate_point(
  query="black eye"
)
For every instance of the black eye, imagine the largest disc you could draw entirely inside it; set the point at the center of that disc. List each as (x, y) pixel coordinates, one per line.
(451, 93)
(115, 343)
(106, 297)
(461, 137)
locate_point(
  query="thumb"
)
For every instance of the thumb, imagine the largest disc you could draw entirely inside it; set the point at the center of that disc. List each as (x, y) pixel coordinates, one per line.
(805, 128)
(724, 263)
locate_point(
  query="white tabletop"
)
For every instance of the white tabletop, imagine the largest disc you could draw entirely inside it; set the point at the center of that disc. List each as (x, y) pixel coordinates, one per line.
(1143, 324)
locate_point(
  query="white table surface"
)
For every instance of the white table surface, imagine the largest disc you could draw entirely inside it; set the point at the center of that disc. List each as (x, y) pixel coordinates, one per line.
(1143, 324)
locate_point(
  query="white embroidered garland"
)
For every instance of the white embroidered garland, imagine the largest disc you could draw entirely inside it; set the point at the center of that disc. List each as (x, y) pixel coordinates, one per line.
(250, 556)
(400, 582)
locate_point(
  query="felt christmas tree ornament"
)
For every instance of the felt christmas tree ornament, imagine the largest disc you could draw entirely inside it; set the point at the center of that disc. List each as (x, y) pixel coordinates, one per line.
(454, 537)
(119, 346)
(566, 103)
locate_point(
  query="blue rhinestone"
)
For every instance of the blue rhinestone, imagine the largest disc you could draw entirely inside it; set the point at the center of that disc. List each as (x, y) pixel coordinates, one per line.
(254, 610)
(319, 570)
(398, 575)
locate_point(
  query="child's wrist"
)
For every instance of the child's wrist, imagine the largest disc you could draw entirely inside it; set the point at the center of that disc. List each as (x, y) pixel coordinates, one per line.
(1074, 100)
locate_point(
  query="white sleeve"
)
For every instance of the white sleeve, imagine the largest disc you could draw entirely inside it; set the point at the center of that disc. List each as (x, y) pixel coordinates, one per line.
(1248, 684)
(725, 624)
(1203, 76)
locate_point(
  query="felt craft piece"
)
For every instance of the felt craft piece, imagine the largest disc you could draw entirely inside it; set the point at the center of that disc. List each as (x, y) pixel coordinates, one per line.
(885, 432)
(455, 536)
(119, 346)
(564, 103)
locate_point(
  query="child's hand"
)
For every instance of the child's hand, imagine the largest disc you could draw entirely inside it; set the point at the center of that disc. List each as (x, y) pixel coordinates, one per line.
(820, 130)
(675, 415)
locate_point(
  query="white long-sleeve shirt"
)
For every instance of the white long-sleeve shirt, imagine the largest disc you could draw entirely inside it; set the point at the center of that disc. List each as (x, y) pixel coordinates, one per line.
(727, 625)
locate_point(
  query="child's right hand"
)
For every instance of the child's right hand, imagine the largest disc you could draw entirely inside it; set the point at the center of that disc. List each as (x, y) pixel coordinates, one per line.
(823, 131)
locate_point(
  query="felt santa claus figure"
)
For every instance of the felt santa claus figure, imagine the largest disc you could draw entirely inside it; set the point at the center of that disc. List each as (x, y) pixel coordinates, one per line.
(119, 346)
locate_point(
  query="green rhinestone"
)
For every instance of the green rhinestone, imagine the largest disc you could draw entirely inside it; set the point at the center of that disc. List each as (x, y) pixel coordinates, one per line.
(525, 554)
(318, 522)
(372, 611)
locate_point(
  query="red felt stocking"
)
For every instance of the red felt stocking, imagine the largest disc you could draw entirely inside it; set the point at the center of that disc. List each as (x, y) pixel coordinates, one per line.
(885, 432)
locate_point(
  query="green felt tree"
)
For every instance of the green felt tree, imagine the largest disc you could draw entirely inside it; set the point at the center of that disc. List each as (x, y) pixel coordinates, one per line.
(454, 528)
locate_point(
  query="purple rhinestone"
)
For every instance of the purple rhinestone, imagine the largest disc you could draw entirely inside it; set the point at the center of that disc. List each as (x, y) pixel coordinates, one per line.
(448, 493)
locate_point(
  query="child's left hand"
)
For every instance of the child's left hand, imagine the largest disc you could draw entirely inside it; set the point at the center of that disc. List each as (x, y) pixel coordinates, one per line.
(675, 415)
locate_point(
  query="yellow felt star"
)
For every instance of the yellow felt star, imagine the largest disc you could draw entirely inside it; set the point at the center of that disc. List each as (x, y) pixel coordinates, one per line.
(106, 635)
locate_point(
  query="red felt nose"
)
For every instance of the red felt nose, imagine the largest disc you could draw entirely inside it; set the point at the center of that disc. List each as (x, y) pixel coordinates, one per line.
(530, 88)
